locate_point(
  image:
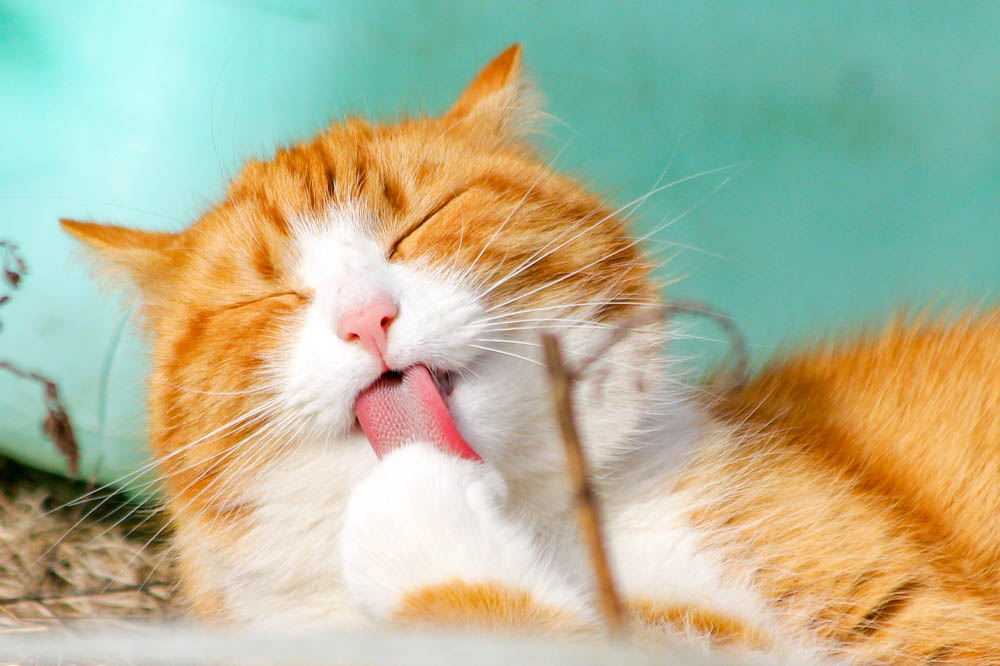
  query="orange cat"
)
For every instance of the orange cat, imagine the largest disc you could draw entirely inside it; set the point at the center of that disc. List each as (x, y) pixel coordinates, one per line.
(353, 425)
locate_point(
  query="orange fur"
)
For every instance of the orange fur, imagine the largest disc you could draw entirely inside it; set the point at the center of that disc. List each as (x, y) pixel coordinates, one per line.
(865, 485)
(486, 606)
(862, 478)
(217, 296)
(719, 627)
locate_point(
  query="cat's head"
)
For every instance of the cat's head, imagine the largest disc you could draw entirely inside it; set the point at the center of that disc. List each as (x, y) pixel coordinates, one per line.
(443, 241)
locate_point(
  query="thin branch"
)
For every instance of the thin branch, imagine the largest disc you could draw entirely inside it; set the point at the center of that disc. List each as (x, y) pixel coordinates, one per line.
(12, 264)
(739, 374)
(562, 379)
(587, 510)
(646, 316)
(12, 269)
(57, 425)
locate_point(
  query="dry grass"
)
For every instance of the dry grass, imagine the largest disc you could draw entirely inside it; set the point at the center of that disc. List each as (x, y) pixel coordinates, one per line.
(61, 566)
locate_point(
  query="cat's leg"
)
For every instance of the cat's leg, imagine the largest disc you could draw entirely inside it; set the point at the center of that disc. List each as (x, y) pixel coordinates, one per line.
(426, 540)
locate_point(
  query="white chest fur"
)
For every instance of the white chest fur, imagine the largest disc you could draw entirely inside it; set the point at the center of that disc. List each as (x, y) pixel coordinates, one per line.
(286, 570)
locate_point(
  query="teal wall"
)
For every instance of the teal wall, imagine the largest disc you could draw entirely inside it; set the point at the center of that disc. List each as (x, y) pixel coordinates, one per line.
(867, 137)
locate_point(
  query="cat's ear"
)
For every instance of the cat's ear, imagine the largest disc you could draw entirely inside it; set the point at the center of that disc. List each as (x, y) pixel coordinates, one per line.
(143, 259)
(500, 100)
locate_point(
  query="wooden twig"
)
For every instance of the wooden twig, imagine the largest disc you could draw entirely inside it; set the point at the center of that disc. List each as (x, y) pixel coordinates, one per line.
(562, 379)
(646, 316)
(12, 265)
(12, 269)
(57, 425)
(587, 510)
(740, 373)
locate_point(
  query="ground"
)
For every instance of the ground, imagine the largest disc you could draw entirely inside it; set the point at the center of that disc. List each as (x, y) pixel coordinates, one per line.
(67, 565)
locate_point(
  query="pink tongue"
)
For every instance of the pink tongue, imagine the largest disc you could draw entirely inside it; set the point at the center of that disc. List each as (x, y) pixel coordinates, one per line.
(394, 412)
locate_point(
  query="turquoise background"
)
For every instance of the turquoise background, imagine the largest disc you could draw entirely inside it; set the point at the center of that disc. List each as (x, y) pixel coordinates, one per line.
(867, 137)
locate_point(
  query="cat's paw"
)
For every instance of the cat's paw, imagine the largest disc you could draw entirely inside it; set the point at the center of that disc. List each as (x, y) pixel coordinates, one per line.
(424, 518)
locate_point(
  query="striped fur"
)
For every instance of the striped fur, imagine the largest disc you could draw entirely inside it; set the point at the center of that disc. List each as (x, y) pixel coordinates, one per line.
(842, 506)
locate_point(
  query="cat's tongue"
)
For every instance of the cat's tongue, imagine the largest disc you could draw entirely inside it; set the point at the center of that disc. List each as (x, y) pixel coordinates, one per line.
(395, 411)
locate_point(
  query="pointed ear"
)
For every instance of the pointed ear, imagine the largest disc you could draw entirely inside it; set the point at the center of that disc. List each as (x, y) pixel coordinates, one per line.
(500, 99)
(142, 258)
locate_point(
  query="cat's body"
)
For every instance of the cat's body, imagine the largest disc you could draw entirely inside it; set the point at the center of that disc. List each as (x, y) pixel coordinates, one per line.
(844, 505)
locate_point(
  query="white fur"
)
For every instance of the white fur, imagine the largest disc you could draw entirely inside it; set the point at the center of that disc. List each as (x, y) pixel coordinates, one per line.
(285, 570)
(424, 518)
(337, 537)
(343, 266)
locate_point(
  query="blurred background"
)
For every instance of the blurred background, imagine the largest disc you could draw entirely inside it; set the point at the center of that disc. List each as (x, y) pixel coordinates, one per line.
(853, 152)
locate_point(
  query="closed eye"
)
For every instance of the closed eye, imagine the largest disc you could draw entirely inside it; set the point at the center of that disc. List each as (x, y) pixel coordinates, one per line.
(305, 298)
(412, 228)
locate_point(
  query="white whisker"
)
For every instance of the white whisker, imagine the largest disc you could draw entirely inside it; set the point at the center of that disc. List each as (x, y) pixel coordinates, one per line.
(543, 173)
(532, 260)
(636, 241)
(498, 351)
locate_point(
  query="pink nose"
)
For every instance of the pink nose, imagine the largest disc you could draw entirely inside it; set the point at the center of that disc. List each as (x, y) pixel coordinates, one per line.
(369, 325)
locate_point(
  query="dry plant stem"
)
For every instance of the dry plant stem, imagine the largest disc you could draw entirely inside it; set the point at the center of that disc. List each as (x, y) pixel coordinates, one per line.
(562, 378)
(646, 316)
(57, 425)
(587, 511)
(12, 265)
(12, 270)
(740, 374)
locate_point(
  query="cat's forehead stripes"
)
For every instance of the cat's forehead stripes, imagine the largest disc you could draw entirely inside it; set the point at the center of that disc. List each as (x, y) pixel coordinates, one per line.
(356, 165)
(436, 197)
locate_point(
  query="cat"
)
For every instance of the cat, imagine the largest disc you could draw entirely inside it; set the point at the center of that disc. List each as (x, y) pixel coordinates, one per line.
(353, 424)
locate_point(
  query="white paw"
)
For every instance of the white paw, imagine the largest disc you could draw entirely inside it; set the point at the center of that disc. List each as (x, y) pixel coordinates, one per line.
(423, 518)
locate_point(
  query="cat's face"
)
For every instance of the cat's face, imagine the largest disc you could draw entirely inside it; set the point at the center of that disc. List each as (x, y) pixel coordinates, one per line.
(439, 241)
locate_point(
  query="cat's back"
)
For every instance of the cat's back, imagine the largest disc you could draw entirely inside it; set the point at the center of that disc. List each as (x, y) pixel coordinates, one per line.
(913, 412)
(865, 480)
